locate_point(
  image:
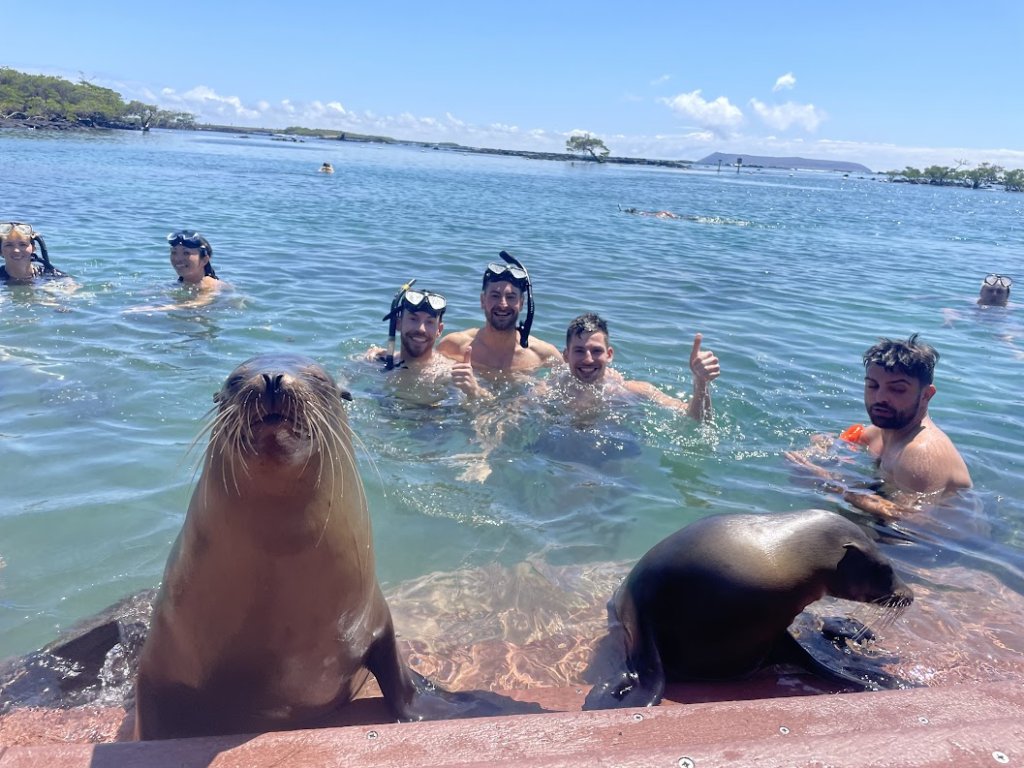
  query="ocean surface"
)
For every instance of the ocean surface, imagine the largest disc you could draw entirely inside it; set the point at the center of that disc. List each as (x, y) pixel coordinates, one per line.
(790, 276)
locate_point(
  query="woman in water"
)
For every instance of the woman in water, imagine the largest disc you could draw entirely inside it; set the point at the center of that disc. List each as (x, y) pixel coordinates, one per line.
(190, 257)
(23, 263)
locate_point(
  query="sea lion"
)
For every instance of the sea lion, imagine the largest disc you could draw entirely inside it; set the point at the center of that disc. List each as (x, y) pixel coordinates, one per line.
(270, 615)
(714, 599)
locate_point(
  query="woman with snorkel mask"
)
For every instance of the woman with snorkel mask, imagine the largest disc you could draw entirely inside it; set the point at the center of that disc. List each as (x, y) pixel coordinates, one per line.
(24, 253)
(190, 257)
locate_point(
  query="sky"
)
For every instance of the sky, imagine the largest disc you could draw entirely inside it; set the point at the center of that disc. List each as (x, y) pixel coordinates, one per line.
(886, 84)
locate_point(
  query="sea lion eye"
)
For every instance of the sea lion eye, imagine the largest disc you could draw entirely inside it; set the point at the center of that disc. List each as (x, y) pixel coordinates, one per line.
(345, 394)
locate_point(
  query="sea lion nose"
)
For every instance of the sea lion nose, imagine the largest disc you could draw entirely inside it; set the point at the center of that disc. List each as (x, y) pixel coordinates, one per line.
(273, 382)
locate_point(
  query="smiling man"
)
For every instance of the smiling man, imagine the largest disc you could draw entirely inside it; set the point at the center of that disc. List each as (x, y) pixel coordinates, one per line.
(913, 454)
(502, 346)
(418, 318)
(588, 353)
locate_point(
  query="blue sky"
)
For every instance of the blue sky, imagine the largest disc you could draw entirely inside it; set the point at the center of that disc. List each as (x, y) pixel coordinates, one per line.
(887, 84)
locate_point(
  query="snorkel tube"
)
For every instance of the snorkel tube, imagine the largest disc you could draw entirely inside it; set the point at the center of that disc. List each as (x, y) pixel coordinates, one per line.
(43, 257)
(524, 327)
(392, 316)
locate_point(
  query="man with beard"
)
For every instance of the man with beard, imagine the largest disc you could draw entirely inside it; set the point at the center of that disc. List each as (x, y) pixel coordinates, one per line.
(500, 346)
(917, 461)
(913, 454)
(419, 323)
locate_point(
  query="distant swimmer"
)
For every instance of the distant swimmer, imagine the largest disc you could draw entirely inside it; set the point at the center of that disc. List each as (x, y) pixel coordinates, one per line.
(326, 168)
(995, 291)
(24, 252)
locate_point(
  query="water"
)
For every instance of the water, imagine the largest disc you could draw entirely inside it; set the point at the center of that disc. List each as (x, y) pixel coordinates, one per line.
(789, 276)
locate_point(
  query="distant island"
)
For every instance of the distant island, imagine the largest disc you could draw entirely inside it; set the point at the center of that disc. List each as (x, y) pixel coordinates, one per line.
(791, 163)
(42, 102)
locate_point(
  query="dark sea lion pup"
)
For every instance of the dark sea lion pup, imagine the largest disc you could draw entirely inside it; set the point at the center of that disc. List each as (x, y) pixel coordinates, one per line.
(714, 599)
(270, 615)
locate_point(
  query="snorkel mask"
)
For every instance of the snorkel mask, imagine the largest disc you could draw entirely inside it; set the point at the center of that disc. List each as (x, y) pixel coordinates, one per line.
(513, 272)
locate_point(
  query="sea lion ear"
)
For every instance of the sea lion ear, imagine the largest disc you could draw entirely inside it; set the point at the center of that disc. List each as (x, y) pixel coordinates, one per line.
(345, 394)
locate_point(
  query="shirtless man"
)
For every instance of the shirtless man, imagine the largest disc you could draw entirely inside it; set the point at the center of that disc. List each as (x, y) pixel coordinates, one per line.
(419, 324)
(497, 348)
(913, 455)
(589, 354)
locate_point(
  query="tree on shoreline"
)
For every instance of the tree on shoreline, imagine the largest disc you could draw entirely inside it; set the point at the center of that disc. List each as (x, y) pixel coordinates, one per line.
(53, 100)
(985, 175)
(586, 144)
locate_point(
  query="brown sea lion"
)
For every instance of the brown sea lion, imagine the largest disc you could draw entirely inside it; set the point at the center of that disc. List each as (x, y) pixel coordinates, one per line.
(714, 599)
(270, 615)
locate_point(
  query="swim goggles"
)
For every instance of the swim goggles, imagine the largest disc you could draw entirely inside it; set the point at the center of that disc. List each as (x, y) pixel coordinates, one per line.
(15, 226)
(424, 301)
(1002, 280)
(500, 272)
(186, 238)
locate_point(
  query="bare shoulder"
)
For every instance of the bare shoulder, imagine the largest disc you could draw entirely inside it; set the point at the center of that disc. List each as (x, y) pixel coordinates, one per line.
(454, 344)
(931, 463)
(547, 352)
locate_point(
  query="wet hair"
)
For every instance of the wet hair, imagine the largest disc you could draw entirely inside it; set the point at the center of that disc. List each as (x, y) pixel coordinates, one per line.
(912, 357)
(587, 323)
(205, 249)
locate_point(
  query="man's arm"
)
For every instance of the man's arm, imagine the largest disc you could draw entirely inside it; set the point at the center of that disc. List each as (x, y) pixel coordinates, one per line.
(705, 368)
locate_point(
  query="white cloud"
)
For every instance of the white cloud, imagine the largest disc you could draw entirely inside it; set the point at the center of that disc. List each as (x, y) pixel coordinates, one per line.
(718, 115)
(661, 80)
(716, 128)
(782, 116)
(786, 82)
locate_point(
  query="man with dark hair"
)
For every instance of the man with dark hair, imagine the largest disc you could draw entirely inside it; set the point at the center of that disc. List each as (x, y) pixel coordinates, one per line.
(589, 354)
(915, 457)
(500, 346)
(913, 454)
(419, 320)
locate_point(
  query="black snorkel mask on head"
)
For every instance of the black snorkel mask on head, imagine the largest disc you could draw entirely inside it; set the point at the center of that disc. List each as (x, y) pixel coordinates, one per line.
(516, 274)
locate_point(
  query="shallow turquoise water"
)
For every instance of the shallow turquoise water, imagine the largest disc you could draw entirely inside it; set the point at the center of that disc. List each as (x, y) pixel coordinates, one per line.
(788, 276)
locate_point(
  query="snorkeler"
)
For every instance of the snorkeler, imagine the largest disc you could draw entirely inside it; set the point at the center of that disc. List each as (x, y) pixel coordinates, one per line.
(326, 168)
(501, 345)
(417, 317)
(25, 256)
(995, 291)
(190, 257)
(588, 354)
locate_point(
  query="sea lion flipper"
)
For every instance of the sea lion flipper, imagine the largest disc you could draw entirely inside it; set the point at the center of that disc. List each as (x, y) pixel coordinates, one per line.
(639, 683)
(825, 658)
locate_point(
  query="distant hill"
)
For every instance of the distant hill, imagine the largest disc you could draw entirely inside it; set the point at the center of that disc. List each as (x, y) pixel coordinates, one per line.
(784, 162)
